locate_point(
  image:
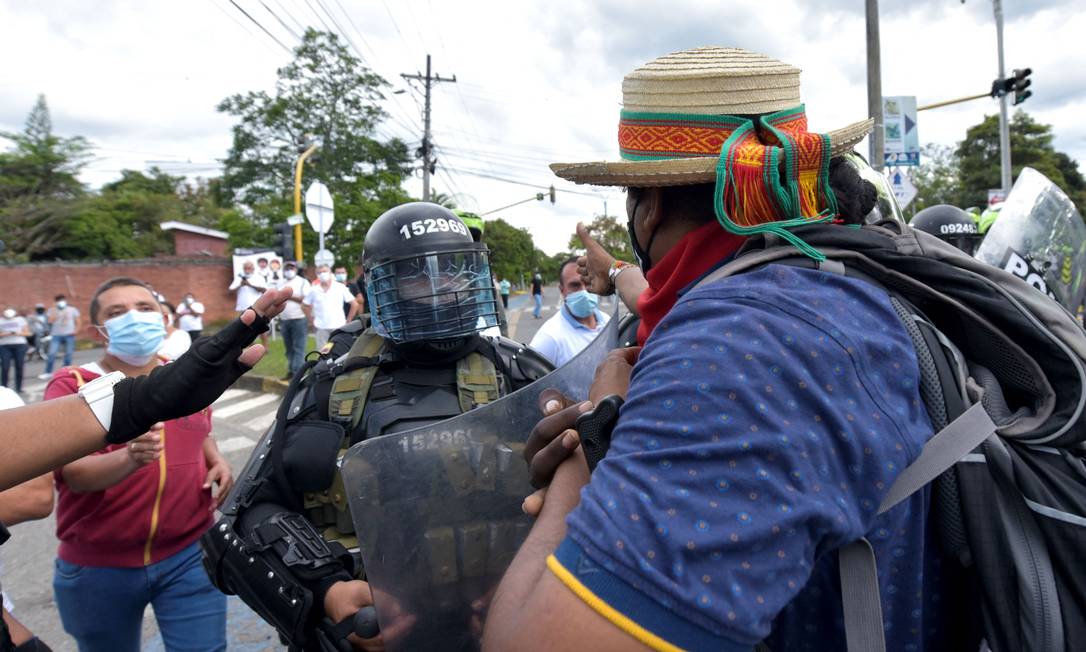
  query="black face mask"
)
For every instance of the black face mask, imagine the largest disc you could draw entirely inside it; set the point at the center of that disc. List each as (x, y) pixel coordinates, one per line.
(642, 255)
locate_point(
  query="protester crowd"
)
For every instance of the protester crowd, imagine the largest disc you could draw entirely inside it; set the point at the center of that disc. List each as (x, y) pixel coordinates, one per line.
(761, 427)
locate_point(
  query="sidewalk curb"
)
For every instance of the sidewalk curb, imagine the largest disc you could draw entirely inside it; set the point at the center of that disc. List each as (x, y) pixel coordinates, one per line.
(262, 384)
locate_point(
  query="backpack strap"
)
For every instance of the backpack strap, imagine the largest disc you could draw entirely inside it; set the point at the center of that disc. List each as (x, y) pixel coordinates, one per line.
(350, 388)
(860, 597)
(476, 381)
(859, 579)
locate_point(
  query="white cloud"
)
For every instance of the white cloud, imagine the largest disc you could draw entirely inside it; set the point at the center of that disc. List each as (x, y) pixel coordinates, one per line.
(537, 81)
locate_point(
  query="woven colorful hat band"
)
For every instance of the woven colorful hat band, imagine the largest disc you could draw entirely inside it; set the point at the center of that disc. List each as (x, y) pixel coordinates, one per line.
(771, 176)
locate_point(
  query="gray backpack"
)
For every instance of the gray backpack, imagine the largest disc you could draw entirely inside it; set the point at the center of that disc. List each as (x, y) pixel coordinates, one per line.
(1003, 378)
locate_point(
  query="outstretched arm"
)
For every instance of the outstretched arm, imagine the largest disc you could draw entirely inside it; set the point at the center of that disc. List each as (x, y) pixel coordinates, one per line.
(194, 381)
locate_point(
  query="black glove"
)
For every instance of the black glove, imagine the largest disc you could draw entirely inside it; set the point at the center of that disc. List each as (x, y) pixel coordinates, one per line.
(185, 386)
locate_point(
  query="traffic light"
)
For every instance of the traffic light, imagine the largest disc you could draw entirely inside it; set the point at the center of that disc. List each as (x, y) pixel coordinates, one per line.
(1020, 83)
(284, 241)
(1017, 84)
(552, 194)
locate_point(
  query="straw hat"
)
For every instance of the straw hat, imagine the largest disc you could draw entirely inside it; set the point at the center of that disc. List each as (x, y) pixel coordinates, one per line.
(673, 121)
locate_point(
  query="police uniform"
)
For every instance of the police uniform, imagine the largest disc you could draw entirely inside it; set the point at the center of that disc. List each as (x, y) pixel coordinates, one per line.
(286, 534)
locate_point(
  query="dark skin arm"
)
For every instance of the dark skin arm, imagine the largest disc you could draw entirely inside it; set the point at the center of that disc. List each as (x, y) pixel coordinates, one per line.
(532, 609)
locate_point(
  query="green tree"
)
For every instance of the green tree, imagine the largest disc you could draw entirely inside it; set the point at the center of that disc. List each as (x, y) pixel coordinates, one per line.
(41, 163)
(1031, 146)
(327, 92)
(512, 251)
(936, 179)
(610, 233)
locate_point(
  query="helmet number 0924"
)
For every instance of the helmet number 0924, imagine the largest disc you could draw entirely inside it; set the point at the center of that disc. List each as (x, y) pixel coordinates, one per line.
(430, 225)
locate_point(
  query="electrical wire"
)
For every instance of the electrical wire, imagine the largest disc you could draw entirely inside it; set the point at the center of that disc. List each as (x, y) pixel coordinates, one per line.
(262, 28)
(280, 20)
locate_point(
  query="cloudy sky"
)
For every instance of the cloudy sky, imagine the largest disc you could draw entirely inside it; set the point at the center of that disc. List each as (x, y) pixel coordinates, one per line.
(537, 81)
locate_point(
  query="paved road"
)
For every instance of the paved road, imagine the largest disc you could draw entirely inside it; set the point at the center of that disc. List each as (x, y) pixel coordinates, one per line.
(240, 418)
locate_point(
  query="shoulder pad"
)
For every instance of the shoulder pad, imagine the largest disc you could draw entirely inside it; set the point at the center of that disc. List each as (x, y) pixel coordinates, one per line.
(525, 364)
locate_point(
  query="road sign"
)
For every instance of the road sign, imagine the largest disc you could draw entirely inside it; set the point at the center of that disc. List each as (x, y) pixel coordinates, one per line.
(901, 139)
(295, 220)
(319, 207)
(324, 257)
(904, 190)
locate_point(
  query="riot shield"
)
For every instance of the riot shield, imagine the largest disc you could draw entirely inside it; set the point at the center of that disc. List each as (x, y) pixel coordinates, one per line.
(1040, 238)
(437, 510)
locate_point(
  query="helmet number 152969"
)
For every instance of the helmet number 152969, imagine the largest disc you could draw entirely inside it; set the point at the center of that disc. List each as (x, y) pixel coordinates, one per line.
(421, 227)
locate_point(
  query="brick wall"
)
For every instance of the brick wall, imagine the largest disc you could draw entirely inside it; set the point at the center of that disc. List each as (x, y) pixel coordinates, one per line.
(207, 279)
(196, 244)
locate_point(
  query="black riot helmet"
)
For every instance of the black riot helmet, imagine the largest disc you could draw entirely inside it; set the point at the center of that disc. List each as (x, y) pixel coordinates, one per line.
(426, 278)
(949, 223)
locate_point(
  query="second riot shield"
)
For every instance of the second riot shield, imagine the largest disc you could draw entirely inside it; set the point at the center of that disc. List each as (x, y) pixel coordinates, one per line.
(437, 510)
(1040, 238)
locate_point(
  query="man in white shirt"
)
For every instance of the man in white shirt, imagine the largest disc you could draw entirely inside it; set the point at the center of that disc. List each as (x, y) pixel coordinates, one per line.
(190, 316)
(249, 286)
(573, 327)
(325, 299)
(292, 321)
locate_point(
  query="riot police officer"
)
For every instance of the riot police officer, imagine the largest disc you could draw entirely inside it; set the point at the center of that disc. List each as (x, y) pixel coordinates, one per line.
(950, 224)
(286, 543)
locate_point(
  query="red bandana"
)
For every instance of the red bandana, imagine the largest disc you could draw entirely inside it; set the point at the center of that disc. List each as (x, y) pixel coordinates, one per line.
(692, 257)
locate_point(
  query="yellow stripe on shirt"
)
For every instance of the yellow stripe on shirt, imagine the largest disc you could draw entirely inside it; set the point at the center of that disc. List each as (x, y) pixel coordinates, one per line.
(607, 611)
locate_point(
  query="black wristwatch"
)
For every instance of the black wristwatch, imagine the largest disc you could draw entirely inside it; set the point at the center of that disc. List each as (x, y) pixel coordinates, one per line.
(595, 428)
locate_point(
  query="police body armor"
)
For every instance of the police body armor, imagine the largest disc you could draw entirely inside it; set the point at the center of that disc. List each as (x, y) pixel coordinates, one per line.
(286, 533)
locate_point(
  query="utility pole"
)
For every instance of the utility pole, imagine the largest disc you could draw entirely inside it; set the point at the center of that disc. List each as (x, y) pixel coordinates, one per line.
(1004, 125)
(426, 150)
(874, 84)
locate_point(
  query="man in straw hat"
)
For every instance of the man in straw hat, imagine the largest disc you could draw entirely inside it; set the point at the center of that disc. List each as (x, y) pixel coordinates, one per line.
(765, 417)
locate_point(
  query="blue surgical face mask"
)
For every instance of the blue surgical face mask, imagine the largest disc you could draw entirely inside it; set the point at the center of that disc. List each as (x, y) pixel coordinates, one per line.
(135, 336)
(342, 278)
(581, 303)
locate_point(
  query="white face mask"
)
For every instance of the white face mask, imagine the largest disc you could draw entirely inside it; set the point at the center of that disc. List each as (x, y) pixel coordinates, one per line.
(325, 277)
(62, 304)
(289, 274)
(9, 313)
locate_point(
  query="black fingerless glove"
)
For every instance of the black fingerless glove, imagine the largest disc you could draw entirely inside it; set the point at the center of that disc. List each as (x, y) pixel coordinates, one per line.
(183, 387)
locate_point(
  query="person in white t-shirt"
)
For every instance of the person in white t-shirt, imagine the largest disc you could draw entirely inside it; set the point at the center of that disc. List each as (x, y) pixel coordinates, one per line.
(177, 341)
(325, 299)
(14, 330)
(573, 327)
(292, 321)
(249, 285)
(190, 317)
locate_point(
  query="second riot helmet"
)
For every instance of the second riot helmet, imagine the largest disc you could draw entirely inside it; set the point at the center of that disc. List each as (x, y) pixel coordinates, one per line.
(426, 278)
(948, 223)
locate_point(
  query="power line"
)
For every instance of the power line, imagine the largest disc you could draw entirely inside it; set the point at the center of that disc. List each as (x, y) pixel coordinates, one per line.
(483, 174)
(281, 21)
(243, 27)
(262, 28)
(321, 20)
(286, 12)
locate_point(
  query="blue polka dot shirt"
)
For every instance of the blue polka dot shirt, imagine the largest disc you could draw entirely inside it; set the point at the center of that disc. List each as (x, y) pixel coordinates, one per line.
(767, 417)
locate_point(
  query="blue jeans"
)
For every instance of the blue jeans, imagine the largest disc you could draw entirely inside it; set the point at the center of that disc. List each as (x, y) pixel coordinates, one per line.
(102, 608)
(294, 332)
(54, 346)
(12, 354)
(538, 305)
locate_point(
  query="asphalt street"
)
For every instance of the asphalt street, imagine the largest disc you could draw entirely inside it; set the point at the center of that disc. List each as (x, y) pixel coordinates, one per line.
(240, 418)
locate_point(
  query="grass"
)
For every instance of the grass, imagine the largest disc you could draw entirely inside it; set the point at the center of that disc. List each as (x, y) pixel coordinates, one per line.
(274, 362)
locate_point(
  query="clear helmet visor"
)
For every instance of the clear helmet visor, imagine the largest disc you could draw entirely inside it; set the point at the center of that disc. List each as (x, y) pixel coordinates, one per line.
(432, 297)
(886, 207)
